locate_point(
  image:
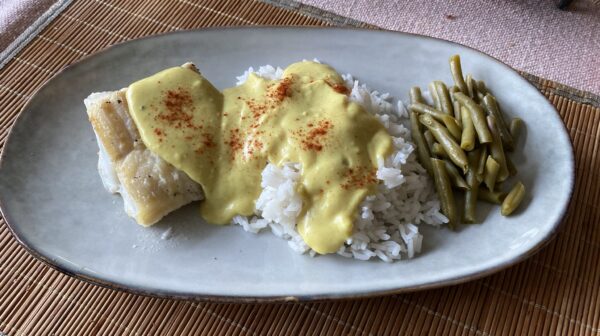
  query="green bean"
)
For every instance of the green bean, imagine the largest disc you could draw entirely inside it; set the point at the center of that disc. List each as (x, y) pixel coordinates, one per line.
(453, 127)
(473, 159)
(467, 140)
(415, 95)
(470, 91)
(496, 149)
(457, 114)
(512, 170)
(442, 135)
(471, 198)
(444, 97)
(516, 126)
(449, 121)
(483, 154)
(472, 194)
(455, 104)
(451, 91)
(429, 139)
(494, 197)
(424, 108)
(513, 199)
(491, 173)
(477, 116)
(444, 191)
(455, 178)
(476, 93)
(434, 96)
(419, 140)
(439, 151)
(457, 75)
(481, 88)
(472, 87)
(491, 106)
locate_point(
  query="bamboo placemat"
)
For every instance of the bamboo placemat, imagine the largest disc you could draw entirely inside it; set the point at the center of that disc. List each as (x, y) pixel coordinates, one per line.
(555, 292)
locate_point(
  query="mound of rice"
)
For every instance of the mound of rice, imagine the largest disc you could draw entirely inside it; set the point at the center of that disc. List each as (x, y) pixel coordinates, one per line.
(387, 225)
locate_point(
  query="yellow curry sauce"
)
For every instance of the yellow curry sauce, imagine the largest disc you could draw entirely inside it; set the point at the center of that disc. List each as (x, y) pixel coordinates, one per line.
(223, 141)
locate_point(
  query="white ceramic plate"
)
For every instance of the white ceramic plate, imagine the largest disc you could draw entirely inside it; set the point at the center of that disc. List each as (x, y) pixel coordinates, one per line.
(54, 202)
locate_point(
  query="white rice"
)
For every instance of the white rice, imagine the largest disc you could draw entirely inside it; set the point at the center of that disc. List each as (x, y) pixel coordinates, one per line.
(387, 224)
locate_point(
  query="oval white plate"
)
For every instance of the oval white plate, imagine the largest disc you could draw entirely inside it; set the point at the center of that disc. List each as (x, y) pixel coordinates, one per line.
(54, 202)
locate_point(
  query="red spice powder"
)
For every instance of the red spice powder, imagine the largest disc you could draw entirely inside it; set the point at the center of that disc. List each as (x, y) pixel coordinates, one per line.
(360, 177)
(207, 142)
(339, 88)
(254, 145)
(178, 104)
(315, 137)
(159, 133)
(282, 90)
(234, 141)
(257, 109)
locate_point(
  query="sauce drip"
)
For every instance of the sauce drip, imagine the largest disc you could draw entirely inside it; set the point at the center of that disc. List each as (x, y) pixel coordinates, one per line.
(223, 141)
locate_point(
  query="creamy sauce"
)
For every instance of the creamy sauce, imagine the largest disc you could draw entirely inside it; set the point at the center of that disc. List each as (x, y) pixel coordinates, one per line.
(223, 141)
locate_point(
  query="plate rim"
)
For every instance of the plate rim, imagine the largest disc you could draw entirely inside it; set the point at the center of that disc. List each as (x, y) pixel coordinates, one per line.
(180, 295)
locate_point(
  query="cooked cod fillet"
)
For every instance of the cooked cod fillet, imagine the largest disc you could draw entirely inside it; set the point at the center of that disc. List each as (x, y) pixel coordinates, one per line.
(150, 187)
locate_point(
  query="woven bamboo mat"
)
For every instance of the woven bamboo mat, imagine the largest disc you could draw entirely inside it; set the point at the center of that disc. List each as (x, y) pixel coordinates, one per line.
(555, 292)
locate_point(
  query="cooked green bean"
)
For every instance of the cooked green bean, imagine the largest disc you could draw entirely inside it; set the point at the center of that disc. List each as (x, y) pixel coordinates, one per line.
(467, 140)
(491, 106)
(472, 87)
(442, 135)
(434, 96)
(457, 116)
(491, 173)
(429, 139)
(415, 95)
(476, 93)
(453, 127)
(471, 198)
(478, 157)
(496, 149)
(444, 97)
(470, 91)
(516, 126)
(473, 159)
(513, 199)
(472, 194)
(481, 88)
(444, 190)
(451, 91)
(455, 178)
(449, 121)
(439, 151)
(419, 140)
(494, 197)
(457, 75)
(512, 170)
(477, 116)
(481, 165)
(455, 104)
(424, 108)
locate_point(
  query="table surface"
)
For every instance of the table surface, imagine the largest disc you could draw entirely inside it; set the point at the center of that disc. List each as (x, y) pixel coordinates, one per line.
(557, 291)
(531, 35)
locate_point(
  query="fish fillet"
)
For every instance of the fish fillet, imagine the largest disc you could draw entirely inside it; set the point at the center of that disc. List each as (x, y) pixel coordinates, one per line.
(150, 187)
